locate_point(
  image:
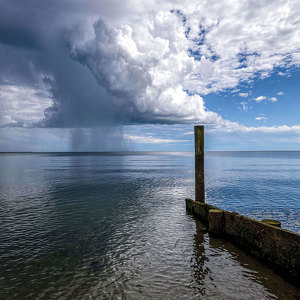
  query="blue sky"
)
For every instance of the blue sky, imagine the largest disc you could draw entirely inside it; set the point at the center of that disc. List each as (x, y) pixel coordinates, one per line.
(285, 110)
(244, 109)
(138, 75)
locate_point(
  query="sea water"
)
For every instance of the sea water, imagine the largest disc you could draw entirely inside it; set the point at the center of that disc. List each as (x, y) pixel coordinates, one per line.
(114, 225)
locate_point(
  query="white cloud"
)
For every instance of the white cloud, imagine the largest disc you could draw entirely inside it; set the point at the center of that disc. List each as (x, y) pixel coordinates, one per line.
(244, 106)
(280, 93)
(243, 95)
(151, 139)
(273, 99)
(260, 118)
(146, 62)
(262, 129)
(21, 105)
(145, 68)
(260, 98)
(147, 57)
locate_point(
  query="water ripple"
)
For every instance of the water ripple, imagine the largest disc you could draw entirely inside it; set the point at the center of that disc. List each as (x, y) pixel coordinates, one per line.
(115, 226)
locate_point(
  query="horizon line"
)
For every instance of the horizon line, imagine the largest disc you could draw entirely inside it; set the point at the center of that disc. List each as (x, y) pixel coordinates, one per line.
(137, 151)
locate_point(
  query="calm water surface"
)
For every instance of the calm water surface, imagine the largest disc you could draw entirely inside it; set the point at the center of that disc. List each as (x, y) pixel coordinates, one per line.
(114, 226)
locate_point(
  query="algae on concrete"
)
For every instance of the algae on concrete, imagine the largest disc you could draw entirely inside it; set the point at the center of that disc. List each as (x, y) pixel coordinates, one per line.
(272, 244)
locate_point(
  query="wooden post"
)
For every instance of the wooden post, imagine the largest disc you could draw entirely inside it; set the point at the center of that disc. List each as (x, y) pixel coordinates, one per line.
(199, 164)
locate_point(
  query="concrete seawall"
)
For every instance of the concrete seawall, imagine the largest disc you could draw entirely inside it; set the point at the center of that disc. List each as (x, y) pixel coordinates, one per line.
(276, 246)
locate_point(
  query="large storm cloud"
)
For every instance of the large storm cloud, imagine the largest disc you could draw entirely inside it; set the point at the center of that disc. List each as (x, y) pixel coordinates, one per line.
(92, 63)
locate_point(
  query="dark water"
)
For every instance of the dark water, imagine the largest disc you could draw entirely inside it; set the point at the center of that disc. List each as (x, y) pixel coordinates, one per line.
(114, 226)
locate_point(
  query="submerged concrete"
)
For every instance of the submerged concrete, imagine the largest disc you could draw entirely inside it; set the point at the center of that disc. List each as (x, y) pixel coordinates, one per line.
(274, 245)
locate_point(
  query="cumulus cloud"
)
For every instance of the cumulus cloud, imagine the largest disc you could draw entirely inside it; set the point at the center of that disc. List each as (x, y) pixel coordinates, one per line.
(145, 73)
(264, 98)
(132, 62)
(273, 99)
(280, 93)
(260, 98)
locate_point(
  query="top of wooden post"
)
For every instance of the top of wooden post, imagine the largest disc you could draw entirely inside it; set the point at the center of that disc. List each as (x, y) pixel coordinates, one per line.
(199, 139)
(199, 164)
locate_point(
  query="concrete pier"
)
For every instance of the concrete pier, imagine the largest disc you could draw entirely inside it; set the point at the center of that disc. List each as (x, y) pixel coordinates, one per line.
(278, 247)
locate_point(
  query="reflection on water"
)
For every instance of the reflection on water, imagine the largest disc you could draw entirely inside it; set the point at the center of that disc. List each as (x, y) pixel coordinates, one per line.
(256, 184)
(223, 271)
(115, 227)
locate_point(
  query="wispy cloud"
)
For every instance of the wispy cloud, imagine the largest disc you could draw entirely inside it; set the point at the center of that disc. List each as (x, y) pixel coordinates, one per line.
(243, 95)
(151, 139)
(280, 93)
(260, 118)
(261, 129)
(244, 106)
(282, 74)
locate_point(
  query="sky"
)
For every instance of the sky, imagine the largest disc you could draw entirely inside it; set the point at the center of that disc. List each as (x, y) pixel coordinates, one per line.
(111, 75)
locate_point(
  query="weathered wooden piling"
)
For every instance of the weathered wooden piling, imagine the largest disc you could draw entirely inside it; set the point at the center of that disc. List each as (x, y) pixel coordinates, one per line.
(263, 239)
(199, 164)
